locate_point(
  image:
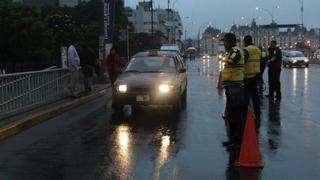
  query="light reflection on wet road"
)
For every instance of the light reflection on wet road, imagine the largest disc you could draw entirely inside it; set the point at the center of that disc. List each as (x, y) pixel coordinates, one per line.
(91, 143)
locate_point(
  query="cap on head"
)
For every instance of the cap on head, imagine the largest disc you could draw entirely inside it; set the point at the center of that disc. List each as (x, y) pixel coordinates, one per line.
(230, 37)
(274, 42)
(248, 39)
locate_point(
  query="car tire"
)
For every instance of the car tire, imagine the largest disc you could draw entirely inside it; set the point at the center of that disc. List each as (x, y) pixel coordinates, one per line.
(284, 65)
(290, 65)
(307, 65)
(184, 98)
(177, 106)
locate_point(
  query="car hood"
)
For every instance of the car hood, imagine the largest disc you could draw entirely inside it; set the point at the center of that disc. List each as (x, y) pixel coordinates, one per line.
(297, 58)
(146, 79)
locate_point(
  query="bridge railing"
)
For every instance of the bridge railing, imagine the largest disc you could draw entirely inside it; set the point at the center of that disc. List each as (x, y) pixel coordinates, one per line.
(28, 89)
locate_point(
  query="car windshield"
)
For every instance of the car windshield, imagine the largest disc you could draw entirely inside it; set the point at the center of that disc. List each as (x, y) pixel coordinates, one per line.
(296, 54)
(151, 65)
(169, 48)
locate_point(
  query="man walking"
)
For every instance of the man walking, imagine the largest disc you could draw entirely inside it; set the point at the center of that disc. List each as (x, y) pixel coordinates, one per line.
(274, 65)
(74, 66)
(113, 64)
(232, 77)
(252, 55)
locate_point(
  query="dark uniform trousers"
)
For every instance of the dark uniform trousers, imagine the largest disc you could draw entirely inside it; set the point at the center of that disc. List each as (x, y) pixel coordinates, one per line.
(274, 81)
(234, 106)
(251, 90)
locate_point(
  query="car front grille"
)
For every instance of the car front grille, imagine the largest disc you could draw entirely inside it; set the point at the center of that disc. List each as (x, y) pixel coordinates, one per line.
(140, 89)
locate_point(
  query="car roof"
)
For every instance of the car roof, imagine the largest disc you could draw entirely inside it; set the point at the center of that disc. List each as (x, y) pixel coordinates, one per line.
(158, 54)
(294, 52)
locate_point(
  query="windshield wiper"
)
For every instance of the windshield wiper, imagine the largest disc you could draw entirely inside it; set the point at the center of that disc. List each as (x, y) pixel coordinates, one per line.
(154, 71)
(133, 71)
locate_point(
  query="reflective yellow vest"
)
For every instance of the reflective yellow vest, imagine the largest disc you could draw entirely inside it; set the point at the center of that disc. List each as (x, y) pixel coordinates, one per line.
(252, 65)
(233, 73)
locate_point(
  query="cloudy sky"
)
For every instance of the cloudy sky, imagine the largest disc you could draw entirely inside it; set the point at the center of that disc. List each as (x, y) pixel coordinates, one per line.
(196, 14)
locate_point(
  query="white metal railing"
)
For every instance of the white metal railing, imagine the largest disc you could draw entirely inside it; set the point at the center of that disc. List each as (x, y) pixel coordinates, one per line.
(20, 90)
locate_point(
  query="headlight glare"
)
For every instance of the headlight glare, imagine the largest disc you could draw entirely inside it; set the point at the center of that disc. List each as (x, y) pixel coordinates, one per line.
(306, 60)
(122, 88)
(164, 88)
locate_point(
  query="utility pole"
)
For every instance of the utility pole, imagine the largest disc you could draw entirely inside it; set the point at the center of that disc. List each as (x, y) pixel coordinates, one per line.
(152, 34)
(168, 18)
(302, 25)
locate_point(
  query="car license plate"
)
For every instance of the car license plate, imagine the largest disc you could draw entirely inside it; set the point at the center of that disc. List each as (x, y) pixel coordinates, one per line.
(143, 98)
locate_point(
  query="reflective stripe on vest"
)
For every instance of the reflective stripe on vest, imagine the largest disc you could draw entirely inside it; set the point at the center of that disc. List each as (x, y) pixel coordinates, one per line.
(252, 65)
(233, 73)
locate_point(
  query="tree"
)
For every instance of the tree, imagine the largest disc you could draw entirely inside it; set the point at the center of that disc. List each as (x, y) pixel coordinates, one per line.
(25, 42)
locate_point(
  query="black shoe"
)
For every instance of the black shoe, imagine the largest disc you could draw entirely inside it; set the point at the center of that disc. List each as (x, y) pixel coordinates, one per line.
(233, 147)
(227, 143)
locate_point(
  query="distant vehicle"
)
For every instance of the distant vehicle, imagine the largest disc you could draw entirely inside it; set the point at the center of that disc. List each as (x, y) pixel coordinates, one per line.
(152, 78)
(206, 56)
(170, 47)
(316, 54)
(191, 51)
(294, 58)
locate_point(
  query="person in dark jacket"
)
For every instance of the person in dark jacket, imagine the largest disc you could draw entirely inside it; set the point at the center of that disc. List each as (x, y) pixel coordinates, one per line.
(274, 70)
(88, 63)
(113, 64)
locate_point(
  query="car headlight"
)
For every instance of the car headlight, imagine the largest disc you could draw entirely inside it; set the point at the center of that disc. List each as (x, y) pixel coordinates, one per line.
(164, 88)
(122, 88)
(203, 56)
(306, 60)
(220, 56)
(294, 61)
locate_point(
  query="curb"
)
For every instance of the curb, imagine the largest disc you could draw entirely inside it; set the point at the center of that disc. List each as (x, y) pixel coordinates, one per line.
(32, 120)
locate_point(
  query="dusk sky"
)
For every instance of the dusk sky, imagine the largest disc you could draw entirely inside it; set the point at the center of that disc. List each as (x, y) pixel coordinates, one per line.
(222, 13)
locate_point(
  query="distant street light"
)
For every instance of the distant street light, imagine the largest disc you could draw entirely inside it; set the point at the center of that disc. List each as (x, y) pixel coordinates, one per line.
(271, 13)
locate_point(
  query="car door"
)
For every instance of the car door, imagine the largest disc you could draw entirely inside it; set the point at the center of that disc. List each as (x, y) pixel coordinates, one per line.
(182, 76)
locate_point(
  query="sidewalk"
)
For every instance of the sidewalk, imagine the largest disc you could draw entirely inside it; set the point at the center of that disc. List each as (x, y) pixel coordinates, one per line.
(25, 120)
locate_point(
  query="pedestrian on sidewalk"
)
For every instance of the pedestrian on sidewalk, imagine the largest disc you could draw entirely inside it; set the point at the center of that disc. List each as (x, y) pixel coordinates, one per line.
(232, 77)
(113, 64)
(274, 70)
(252, 55)
(74, 66)
(88, 63)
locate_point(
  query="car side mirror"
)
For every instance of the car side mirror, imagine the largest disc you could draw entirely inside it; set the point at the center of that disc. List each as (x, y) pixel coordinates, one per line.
(183, 70)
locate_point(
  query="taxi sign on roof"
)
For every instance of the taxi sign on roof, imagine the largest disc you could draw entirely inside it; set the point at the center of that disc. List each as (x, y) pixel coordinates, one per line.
(153, 52)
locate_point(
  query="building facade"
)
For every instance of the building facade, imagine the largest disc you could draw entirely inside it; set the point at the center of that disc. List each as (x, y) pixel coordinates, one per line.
(209, 41)
(167, 21)
(288, 36)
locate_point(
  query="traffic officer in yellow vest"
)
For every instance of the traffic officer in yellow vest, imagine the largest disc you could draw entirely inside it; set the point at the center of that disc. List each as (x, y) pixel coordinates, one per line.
(232, 77)
(252, 56)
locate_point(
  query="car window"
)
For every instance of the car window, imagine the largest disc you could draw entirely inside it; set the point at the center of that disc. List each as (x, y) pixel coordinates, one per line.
(151, 64)
(296, 54)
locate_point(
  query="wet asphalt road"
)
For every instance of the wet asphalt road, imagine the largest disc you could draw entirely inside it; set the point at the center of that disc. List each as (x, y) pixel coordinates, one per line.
(91, 143)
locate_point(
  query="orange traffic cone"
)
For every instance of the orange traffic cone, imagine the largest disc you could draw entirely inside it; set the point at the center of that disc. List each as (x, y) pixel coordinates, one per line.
(219, 86)
(249, 153)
